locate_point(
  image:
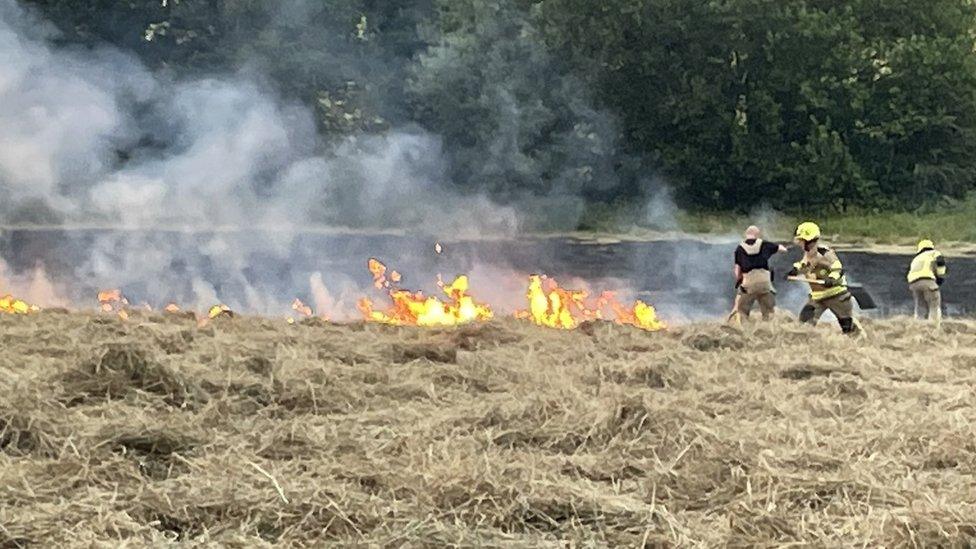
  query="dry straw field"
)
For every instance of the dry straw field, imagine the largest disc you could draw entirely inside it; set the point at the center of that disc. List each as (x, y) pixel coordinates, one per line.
(252, 432)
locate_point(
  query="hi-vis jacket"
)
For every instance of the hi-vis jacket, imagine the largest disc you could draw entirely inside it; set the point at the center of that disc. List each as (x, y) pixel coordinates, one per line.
(928, 264)
(822, 264)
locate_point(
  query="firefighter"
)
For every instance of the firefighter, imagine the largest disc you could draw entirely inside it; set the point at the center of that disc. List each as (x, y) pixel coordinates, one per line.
(825, 274)
(925, 277)
(753, 276)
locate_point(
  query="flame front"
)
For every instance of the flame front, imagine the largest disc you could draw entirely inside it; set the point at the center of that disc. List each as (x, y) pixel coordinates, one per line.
(640, 315)
(218, 311)
(556, 307)
(113, 301)
(414, 309)
(549, 305)
(13, 306)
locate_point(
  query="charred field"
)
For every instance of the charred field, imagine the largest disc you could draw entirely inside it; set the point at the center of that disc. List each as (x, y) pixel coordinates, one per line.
(252, 432)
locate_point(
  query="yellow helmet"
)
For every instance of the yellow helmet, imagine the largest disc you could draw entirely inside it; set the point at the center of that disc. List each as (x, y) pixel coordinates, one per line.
(807, 231)
(925, 243)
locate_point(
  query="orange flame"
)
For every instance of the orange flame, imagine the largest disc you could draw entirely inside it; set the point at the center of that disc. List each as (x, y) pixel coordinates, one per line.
(301, 308)
(379, 273)
(556, 307)
(110, 296)
(219, 310)
(113, 301)
(11, 305)
(380, 280)
(640, 315)
(548, 305)
(414, 309)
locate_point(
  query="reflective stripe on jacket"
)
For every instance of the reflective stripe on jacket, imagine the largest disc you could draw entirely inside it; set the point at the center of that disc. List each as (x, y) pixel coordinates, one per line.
(823, 264)
(928, 264)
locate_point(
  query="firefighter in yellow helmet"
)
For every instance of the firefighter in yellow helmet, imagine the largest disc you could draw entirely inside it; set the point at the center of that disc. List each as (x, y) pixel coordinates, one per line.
(828, 285)
(925, 277)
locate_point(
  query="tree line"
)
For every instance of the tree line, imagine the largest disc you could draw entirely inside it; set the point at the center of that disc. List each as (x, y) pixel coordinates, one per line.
(799, 105)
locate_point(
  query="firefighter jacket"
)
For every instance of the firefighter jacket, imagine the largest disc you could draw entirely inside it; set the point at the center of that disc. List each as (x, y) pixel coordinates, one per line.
(928, 264)
(825, 273)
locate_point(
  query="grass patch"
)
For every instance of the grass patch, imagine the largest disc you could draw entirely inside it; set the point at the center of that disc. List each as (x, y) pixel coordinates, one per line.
(953, 222)
(948, 224)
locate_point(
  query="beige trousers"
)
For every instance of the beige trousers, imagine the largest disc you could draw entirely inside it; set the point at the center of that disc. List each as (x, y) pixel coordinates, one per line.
(765, 299)
(928, 300)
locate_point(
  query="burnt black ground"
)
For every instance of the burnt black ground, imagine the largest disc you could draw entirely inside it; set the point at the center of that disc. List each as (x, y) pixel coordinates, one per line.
(684, 279)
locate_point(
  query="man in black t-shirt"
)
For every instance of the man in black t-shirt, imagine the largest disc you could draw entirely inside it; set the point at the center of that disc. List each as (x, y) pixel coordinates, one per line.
(753, 276)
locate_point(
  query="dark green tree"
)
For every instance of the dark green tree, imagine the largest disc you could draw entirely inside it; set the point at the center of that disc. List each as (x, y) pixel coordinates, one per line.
(345, 58)
(802, 105)
(514, 119)
(798, 104)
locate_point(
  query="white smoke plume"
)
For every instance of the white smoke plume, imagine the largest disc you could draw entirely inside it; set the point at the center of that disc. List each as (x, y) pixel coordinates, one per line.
(209, 189)
(203, 153)
(90, 137)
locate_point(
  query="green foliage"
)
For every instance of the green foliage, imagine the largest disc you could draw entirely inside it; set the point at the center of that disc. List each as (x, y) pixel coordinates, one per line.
(345, 58)
(811, 106)
(513, 118)
(945, 222)
(803, 105)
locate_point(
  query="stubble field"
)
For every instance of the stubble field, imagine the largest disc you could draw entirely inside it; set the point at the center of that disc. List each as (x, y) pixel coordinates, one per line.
(251, 432)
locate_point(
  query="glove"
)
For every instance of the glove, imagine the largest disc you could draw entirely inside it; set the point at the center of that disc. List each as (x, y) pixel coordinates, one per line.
(939, 281)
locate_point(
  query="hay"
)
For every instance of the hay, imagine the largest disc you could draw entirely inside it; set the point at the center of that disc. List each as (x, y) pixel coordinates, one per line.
(434, 352)
(120, 368)
(721, 339)
(254, 433)
(17, 436)
(472, 337)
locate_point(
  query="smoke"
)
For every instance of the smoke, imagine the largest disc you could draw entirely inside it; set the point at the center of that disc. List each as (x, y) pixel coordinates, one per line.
(96, 137)
(521, 122)
(219, 190)
(61, 113)
(660, 212)
(91, 137)
(34, 283)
